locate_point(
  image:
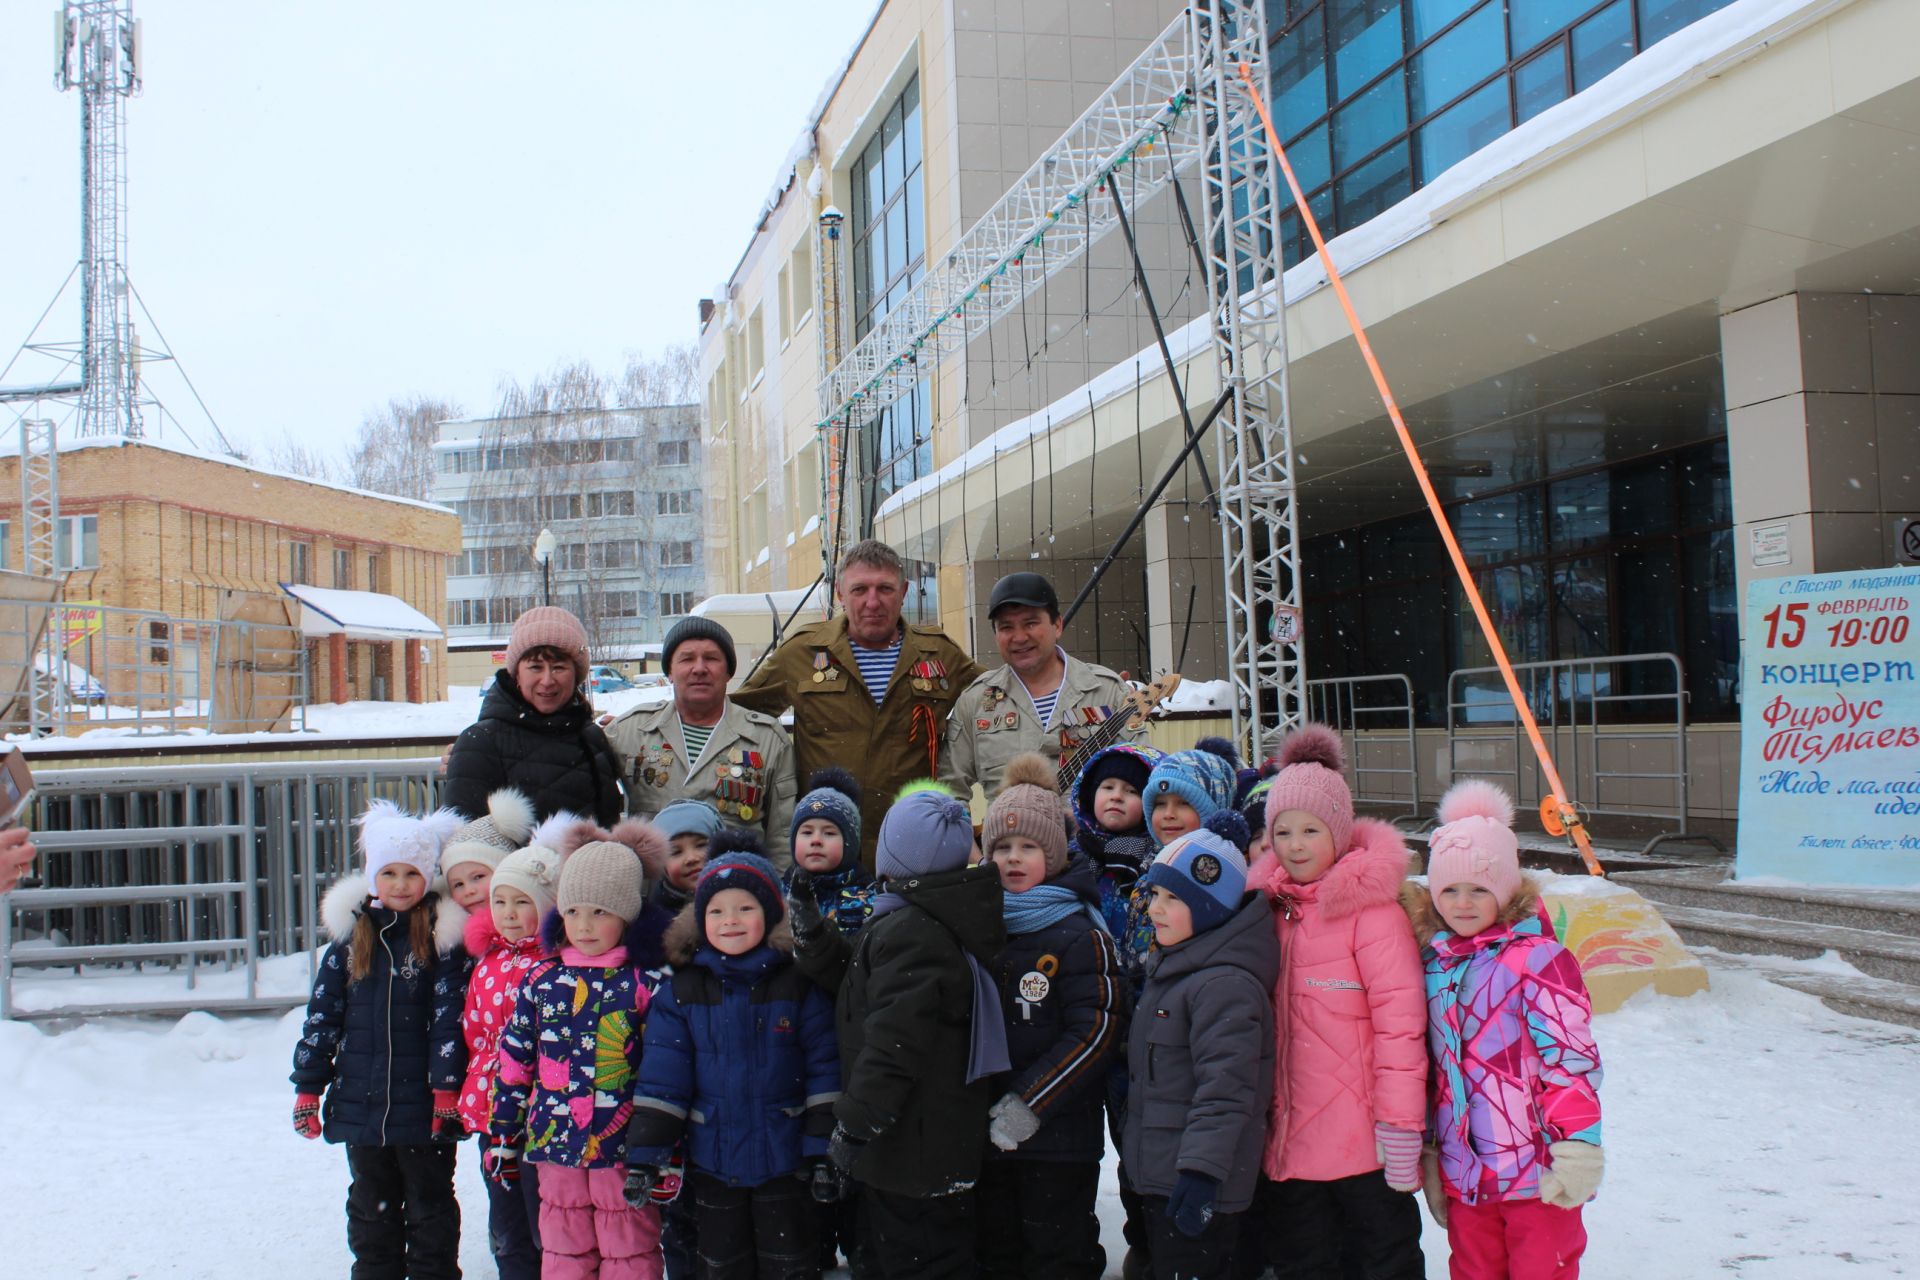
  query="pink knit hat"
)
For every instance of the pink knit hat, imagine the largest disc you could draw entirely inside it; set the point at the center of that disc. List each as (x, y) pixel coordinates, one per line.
(549, 625)
(1474, 843)
(1310, 780)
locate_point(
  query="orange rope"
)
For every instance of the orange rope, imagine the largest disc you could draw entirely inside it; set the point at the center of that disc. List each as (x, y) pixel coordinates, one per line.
(1568, 816)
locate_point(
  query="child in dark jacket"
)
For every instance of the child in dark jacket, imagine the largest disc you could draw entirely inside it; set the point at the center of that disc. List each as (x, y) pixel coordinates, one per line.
(826, 851)
(1111, 832)
(1200, 1057)
(741, 1062)
(1065, 1007)
(382, 1040)
(689, 826)
(921, 1037)
(568, 1060)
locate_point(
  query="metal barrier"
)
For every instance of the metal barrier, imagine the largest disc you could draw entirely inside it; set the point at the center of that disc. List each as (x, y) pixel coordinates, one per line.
(140, 669)
(1371, 729)
(1600, 754)
(191, 867)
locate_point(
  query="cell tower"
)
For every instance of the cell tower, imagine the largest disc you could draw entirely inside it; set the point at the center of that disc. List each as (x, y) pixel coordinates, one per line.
(98, 44)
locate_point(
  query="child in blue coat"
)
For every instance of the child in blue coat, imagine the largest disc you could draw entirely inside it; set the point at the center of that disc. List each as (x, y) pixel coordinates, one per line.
(382, 1040)
(742, 1062)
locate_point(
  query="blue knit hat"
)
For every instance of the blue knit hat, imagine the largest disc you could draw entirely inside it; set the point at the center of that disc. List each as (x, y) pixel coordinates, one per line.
(739, 865)
(927, 831)
(1132, 761)
(1204, 871)
(833, 795)
(688, 818)
(1205, 777)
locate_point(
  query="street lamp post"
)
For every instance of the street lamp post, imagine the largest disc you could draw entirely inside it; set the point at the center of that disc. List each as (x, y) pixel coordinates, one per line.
(543, 556)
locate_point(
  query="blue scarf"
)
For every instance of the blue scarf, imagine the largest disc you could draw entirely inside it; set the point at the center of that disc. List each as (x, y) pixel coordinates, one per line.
(1046, 904)
(987, 1037)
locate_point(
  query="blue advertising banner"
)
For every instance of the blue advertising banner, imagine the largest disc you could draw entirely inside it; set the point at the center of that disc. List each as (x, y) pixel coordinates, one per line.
(1830, 729)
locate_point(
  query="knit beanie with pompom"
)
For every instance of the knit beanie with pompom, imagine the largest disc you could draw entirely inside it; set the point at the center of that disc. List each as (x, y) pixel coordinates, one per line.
(1029, 805)
(535, 869)
(833, 795)
(1205, 777)
(486, 840)
(926, 832)
(1474, 843)
(1311, 781)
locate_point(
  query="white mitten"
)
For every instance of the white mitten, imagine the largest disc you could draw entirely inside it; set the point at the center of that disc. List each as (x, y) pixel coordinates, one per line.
(1430, 1185)
(1011, 1122)
(1572, 1174)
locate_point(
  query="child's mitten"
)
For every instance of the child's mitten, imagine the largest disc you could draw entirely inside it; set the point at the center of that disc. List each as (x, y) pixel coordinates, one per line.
(641, 1180)
(446, 1116)
(1573, 1174)
(1431, 1186)
(843, 1149)
(672, 1178)
(500, 1164)
(827, 1184)
(306, 1115)
(1399, 1152)
(1011, 1122)
(803, 909)
(1191, 1204)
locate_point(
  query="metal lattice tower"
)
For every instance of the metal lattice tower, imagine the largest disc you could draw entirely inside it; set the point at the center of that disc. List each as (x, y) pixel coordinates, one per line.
(99, 54)
(1181, 103)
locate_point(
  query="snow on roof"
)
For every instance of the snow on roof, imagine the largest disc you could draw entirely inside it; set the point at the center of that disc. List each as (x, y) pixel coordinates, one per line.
(363, 615)
(10, 447)
(761, 602)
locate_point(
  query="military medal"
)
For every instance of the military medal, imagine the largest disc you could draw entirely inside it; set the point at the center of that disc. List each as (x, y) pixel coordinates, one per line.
(746, 813)
(819, 665)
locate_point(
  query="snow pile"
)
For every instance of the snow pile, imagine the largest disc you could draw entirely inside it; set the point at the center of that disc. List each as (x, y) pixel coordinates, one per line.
(1202, 695)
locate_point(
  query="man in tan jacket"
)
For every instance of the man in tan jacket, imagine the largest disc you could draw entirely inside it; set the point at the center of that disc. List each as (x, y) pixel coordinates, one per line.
(868, 694)
(1042, 700)
(702, 747)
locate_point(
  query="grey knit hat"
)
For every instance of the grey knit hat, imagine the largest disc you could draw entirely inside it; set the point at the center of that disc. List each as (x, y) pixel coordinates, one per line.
(692, 628)
(487, 840)
(1029, 805)
(927, 831)
(605, 875)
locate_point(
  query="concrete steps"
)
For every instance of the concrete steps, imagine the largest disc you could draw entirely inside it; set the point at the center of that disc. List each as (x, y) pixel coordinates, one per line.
(1876, 932)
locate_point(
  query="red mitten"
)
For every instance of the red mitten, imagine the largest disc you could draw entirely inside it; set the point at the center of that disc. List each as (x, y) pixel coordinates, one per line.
(500, 1163)
(1399, 1152)
(306, 1115)
(446, 1116)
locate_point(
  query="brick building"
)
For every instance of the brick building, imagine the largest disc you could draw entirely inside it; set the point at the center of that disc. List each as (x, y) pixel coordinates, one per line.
(153, 527)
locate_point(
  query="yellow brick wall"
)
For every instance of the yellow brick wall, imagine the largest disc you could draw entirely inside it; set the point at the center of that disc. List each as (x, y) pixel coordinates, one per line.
(176, 529)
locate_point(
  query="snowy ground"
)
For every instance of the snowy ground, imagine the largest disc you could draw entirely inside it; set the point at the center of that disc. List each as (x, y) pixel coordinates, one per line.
(1750, 1132)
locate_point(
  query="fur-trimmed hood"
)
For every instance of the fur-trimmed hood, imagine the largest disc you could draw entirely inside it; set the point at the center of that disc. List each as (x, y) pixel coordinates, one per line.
(1425, 916)
(683, 936)
(1368, 874)
(351, 896)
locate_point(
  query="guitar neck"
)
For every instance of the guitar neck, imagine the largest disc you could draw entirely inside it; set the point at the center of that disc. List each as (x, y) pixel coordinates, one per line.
(1104, 735)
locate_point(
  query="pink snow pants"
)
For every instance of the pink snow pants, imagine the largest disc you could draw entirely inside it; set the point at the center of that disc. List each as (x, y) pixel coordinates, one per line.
(588, 1231)
(1508, 1240)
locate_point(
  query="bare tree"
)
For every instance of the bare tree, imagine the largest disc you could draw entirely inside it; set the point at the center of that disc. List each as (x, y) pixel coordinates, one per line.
(394, 451)
(296, 457)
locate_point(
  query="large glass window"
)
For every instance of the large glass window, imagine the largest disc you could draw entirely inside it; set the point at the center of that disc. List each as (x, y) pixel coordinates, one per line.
(889, 257)
(1376, 98)
(1636, 557)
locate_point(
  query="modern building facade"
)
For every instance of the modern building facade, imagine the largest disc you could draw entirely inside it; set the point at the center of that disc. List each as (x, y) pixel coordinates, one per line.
(1645, 275)
(620, 492)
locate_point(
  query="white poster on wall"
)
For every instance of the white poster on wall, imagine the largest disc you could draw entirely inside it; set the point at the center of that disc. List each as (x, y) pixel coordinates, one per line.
(1830, 729)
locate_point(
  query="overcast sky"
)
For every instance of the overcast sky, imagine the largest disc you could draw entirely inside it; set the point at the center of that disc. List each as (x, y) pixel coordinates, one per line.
(331, 204)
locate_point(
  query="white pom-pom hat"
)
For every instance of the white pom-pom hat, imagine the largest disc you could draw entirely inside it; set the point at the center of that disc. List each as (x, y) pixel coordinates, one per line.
(486, 840)
(389, 835)
(1474, 843)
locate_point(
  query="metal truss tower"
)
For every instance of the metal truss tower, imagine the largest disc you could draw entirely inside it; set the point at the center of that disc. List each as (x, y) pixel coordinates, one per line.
(99, 54)
(1180, 104)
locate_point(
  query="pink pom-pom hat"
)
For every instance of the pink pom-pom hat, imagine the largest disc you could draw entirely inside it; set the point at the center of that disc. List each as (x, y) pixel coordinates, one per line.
(1474, 843)
(1310, 780)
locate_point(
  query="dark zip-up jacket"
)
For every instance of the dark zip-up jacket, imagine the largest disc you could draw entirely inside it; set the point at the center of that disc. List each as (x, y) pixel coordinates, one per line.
(560, 761)
(379, 1047)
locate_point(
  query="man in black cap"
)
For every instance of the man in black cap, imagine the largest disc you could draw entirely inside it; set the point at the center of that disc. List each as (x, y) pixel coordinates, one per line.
(703, 747)
(1041, 700)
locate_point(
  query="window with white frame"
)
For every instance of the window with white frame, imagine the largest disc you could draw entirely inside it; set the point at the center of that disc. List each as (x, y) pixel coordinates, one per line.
(676, 554)
(673, 603)
(299, 562)
(675, 453)
(674, 502)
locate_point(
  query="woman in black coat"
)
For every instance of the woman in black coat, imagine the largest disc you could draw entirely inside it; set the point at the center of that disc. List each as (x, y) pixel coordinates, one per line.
(536, 731)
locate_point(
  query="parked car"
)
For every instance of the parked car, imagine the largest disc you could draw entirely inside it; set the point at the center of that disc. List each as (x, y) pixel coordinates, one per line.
(606, 680)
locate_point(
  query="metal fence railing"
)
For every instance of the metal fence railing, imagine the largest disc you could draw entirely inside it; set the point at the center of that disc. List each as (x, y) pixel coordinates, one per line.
(190, 869)
(110, 667)
(1375, 718)
(1616, 725)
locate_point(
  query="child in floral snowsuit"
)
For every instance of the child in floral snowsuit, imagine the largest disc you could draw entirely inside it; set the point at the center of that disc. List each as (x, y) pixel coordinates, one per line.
(1516, 1112)
(568, 1061)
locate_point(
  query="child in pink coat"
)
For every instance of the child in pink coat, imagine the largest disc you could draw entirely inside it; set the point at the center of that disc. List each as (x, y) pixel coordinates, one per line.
(1350, 1075)
(1516, 1107)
